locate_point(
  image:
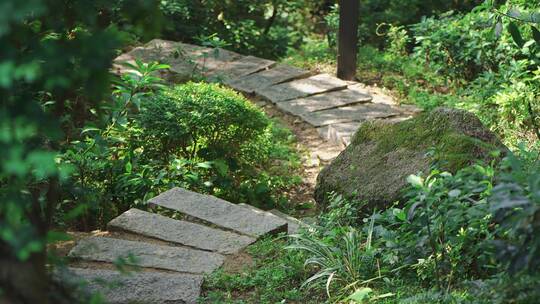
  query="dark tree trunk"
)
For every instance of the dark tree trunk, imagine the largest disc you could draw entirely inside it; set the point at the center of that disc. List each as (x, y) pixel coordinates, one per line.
(348, 38)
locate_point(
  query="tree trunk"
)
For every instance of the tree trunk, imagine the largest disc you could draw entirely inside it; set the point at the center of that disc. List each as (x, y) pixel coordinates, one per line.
(23, 281)
(348, 38)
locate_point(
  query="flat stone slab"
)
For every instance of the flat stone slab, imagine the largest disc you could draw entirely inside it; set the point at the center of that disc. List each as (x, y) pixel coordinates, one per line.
(179, 259)
(183, 58)
(346, 97)
(243, 66)
(302, 88)
(266, 78)
(293, 224)
(359, 113)
(137, 287)
(181, 232)
(214, 59)
(220, 212)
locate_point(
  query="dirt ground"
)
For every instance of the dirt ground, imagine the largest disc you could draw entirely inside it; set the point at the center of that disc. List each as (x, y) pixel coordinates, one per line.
(315, 154)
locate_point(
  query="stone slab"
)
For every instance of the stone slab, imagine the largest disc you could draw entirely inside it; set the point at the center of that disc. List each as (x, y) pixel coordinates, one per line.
(214, 59)
(180, 56)
(137, 287)
(220, 212)
(346, 97)
(293, 224)
(301, 88)
(179, 259)
(183, 58)
(277, 74)
(181, 232)
(241, 67)
(358, 113)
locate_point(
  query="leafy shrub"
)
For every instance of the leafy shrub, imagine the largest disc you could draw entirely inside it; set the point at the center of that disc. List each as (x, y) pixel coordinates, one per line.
(460, 46)
(516, 206)
(341, 213)
(444, 225)
(344, 263)
(198, 120)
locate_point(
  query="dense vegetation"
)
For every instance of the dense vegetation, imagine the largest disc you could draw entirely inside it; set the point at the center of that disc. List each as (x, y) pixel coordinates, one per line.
(80, 146)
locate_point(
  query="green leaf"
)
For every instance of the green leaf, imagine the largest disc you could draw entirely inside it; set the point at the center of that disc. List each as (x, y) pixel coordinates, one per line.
(385, 295)
(516, 34)
(454, 193)
(89, 129)
(360, 295)
(399, 214)
(204, 165)
(415, 181)
(536, 35)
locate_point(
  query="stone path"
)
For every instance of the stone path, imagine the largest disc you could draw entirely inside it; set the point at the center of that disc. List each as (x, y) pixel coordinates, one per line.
(173, 266)
(333, 106)
(175, 254)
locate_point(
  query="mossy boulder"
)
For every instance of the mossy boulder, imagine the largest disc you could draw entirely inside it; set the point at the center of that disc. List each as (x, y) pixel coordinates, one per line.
(375, 166)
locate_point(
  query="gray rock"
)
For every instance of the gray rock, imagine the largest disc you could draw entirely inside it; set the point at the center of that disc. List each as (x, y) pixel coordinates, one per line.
(346, 97)
(180, 259)
(373, 169)
(302, 88)
(220, 212)
(266, 78)
(358, 113)
(139, 287)
(181, 232)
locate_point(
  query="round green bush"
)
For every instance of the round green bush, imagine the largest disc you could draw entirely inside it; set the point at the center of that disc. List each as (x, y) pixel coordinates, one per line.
(200, 120)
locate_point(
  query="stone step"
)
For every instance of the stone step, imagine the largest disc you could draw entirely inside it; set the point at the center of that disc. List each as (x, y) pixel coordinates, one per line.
(334, 99)
(241, 67)
(219, 212)
(293, 224)
(302, 88)
(136, 287)
(257, 81)
(181, 232)
(215, 59)
(103, 249)
(357, 113)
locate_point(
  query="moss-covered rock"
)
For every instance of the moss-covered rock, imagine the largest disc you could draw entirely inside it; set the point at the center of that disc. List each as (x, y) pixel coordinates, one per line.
(374, 167)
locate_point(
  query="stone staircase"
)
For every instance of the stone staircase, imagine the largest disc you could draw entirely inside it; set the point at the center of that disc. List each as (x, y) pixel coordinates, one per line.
(333, 106)
(210, 231)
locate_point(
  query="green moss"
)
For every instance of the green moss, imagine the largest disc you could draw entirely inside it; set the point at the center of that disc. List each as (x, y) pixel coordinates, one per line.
(452, 143)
